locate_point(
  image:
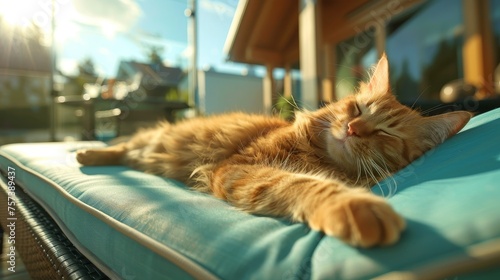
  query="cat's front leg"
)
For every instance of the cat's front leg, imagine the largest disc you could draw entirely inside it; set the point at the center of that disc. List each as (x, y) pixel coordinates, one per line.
(111, 155)
(353, 215)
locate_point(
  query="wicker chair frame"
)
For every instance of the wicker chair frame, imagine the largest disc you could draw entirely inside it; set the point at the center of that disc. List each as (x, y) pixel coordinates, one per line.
(44, 249)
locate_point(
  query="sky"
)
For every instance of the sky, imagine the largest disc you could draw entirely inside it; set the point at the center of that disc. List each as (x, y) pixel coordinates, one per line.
(108, 31)
(113, 30)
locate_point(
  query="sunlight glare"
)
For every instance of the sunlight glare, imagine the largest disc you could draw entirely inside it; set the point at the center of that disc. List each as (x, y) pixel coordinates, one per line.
(18, 13)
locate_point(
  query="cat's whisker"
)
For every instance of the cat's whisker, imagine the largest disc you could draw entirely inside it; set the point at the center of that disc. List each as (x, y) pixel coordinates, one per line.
(367, 164)
(374, 178)
(324, 126)
(359, 169)
(385, 174)
(418, 97)
(285, 162)
(294, 104)
(325, 119)
(434, 108)
(438, 107)
(383, 170)
(416, 100)
(372, 167)
(332, 113)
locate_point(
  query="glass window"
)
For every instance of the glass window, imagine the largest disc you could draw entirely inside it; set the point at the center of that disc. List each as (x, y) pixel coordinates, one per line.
(495, 23)
(354, 58)
(424, 47)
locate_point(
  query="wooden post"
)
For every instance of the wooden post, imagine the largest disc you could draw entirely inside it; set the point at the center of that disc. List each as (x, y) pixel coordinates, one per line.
(380, 39)
(478, 54)
(287, 82)
(328, 86)
(309, 37)
(268, 90)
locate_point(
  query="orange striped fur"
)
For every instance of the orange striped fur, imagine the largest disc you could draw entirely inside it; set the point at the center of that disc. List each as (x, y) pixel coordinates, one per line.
(316, 169)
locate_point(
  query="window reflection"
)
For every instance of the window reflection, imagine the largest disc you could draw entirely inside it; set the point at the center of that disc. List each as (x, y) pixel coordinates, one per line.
(355, 57)
(495, 24)
(424, 46)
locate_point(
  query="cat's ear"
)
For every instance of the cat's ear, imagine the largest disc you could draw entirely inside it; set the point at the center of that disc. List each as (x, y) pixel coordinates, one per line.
(441, 127)
(379, 81)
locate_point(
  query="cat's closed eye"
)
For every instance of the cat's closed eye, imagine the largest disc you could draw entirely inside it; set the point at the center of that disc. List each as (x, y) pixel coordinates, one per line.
(383, 133)
(355, 110)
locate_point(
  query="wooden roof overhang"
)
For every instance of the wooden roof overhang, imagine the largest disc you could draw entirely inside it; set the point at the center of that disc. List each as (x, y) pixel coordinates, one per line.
(267, 32)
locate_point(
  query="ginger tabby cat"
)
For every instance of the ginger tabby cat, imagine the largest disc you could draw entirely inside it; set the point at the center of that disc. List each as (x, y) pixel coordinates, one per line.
(316, 169)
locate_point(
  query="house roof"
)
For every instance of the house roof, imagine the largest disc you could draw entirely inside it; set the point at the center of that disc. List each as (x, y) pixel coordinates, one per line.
(152, 73)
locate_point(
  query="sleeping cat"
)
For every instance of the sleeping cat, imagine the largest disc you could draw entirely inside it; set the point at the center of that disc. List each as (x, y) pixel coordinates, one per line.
(316, 169)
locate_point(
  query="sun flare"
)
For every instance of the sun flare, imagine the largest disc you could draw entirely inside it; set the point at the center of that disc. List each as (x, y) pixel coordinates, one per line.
(21, 13)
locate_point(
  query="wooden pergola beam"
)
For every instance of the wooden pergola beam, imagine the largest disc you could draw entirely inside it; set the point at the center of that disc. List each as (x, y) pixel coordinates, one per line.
(264, 56)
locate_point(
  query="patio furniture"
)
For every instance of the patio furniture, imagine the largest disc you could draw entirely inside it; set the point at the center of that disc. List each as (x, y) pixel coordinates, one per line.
(132, 225)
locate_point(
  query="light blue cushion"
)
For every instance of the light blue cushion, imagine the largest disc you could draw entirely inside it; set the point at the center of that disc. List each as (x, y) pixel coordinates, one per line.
(134, 224)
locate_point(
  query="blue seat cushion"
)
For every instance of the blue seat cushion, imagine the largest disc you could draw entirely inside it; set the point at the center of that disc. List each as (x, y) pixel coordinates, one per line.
(134, 224)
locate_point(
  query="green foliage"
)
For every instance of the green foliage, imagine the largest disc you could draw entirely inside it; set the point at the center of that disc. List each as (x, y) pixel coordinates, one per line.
(443, 68)
(285, 107)
(154, 54)
(86, 67)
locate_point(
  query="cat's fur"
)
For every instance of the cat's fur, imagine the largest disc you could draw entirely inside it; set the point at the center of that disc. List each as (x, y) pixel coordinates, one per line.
(316, 169)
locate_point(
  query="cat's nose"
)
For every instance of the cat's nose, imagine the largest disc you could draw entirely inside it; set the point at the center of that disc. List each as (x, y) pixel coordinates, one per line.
(351, 131)
(358, 127)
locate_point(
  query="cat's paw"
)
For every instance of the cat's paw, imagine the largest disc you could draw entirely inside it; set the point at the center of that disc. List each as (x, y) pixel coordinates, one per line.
(360, 219)
(112, 155)
(88, 157)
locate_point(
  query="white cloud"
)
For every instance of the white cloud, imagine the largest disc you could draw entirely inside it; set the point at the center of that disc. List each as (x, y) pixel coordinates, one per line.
(111, 16)
(218, 7)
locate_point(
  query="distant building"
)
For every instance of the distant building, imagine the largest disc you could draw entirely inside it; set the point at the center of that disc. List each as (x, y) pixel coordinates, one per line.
(156, 80)
(223, 92)
(25, 68)
(21, 51)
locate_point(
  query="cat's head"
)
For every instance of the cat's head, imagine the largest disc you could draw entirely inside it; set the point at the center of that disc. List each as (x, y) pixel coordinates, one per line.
(371, 134)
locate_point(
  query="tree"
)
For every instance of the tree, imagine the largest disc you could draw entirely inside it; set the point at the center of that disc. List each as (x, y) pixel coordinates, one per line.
(154, 54)
(86, 74)
(406, 87)
(86, 68)
(443, 68)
